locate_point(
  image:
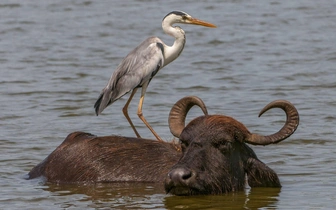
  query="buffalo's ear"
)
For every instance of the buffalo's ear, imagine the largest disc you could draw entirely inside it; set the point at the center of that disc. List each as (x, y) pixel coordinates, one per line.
(260, 175)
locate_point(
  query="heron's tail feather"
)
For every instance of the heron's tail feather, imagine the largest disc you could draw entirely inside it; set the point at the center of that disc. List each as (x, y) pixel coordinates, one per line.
(103, 101)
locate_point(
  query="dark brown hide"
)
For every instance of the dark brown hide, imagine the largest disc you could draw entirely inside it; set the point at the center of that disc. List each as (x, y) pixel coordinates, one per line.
(216, 160)
(215, 157)
(83, 157)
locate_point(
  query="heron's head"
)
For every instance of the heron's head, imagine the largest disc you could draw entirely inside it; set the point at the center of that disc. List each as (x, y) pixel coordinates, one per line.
(182, 17)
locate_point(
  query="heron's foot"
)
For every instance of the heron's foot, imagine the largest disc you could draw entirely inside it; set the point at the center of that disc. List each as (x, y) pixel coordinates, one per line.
(158, 138)
(137, 134)
(148, 126)
(177, 148)
(176, 144)
(135, 130)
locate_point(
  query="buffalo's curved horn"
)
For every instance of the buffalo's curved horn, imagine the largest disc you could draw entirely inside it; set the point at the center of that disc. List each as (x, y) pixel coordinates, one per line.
(292, 122)
(179, 112)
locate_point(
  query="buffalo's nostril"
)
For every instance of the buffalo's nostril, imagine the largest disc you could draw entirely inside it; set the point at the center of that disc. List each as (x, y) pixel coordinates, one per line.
(180, 175)
(186, 175)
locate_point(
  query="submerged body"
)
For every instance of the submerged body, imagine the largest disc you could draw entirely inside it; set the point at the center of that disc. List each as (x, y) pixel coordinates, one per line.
(141, 65)
(215, 158)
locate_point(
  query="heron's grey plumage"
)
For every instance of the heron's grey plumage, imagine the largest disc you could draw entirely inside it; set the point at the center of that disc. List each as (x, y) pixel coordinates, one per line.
(140, 66)
(136, 70)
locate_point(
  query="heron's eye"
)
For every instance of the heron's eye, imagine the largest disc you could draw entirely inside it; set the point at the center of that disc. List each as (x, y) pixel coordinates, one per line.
(184, 17)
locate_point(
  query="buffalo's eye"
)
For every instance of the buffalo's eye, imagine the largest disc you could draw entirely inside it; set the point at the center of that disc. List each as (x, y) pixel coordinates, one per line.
(224, 146)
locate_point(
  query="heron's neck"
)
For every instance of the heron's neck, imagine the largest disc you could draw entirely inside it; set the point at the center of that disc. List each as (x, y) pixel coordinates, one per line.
(172, 52)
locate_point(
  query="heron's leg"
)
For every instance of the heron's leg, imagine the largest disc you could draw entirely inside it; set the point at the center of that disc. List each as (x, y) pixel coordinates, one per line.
(143, 118)
(125, 111)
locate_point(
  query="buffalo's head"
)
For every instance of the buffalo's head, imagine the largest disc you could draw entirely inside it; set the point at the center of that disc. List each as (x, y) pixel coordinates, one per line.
(216, 158)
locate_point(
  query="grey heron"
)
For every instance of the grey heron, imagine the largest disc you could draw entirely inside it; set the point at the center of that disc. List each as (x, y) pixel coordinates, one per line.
(139, 67)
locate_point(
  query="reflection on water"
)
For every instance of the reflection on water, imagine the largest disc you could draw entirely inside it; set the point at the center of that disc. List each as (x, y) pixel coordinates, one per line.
(56, 56)
(113, 195)
(145, 195)
(250, 199)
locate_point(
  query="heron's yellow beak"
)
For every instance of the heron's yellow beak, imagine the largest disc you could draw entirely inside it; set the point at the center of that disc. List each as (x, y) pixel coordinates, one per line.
(200, 22)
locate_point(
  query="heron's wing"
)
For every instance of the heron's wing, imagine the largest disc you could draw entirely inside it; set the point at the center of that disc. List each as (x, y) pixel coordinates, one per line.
(137, 68)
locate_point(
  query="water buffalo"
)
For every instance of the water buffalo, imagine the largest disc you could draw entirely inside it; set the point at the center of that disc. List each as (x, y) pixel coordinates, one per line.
(214, 157)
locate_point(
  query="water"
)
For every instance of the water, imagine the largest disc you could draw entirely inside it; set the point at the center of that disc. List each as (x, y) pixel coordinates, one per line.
(56, 56)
